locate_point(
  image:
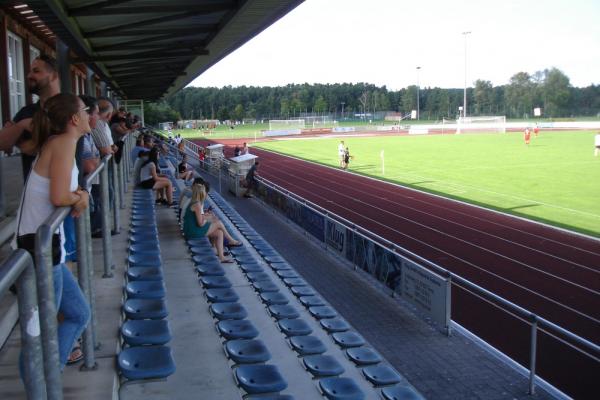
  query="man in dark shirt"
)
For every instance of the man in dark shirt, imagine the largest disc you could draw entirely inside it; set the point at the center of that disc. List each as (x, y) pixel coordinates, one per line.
(43, 81)
(251, 180)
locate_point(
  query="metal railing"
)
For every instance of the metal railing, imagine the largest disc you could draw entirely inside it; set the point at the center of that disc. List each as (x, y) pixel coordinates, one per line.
(536, 322)
(42, 375)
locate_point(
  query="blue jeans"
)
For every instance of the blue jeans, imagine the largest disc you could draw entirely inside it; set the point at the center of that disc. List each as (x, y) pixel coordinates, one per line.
(70, 239)
(71, 303)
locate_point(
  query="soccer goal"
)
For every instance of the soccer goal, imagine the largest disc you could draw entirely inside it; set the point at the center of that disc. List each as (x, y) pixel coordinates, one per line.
(286, 124)
(496, 124)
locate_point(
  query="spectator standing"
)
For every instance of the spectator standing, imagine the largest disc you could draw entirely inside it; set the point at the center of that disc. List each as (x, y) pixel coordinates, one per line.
(245, 149)
(236, 151)
(42, 80)
(52, 183)
(251, 180)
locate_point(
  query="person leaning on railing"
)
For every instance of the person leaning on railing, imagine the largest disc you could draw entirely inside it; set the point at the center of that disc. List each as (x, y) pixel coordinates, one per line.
(52, 183)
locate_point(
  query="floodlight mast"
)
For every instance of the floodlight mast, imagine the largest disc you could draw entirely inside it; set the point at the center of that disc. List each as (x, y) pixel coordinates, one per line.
(418, 87)
(465, 93)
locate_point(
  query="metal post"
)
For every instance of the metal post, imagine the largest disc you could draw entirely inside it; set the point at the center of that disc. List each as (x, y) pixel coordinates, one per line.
(31, 342)
(532, 354)
(106, 238)
(84, 283)
(90, 261)
(2, 196)
(45, 288)
(119, 171)
(116, 197)
(465, 92)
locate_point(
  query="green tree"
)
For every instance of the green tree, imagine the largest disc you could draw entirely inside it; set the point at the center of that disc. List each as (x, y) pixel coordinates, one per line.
(519, 95)
(154, 113)
(238, 113)
(320, 105)
(556, 93)
(483, 94)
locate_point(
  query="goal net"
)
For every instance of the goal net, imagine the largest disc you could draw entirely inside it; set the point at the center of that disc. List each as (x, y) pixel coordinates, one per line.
(496, 124)
(321, 121)
(286, 124)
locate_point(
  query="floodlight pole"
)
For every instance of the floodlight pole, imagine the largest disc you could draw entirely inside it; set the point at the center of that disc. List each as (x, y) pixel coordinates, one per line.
(465, 94)
(418, 88)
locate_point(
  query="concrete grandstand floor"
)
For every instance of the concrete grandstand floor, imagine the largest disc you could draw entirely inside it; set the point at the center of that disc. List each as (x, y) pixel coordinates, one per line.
(439, 367)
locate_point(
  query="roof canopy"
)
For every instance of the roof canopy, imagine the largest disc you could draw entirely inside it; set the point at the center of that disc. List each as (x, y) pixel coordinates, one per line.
(147, 49)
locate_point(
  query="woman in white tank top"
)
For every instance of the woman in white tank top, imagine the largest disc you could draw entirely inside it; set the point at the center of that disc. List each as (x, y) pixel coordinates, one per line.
(52, 183)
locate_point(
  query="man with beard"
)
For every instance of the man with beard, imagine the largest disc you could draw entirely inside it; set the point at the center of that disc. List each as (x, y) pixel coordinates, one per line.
(43, 81)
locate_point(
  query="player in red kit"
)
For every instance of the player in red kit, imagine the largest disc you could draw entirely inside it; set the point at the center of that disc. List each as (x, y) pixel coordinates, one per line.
(527, 135)
(536, 130)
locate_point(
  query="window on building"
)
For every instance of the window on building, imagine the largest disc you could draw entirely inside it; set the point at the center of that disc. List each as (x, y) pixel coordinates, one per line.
(33, 54)
(16, 73)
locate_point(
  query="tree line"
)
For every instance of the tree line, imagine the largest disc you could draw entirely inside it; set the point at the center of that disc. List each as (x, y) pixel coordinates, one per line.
(549, 90)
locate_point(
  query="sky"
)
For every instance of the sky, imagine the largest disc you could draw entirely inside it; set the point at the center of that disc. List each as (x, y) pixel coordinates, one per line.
(384, 41)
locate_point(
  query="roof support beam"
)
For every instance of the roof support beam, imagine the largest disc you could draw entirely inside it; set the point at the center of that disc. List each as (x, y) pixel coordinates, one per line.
(164, 8)
(145, 55)
(188, 30)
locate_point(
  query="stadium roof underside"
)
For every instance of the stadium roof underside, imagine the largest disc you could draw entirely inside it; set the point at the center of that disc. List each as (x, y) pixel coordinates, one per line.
(148, 49)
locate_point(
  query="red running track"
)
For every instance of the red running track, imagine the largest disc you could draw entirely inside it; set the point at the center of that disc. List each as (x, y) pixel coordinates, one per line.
(550, 272)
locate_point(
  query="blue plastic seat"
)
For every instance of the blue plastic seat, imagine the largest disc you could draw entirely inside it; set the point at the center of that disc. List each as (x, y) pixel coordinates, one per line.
(218, 282)
(303, 291)
(145, 309)
(281, 266)
(321, 312)
(283, 311)
(270, 397)
(145, 223)
(307, 345)
(202, 251)
(400, 392)
(287, 273)
(150, 238)
(310, 301)
(252, 267)
(256, 379)
(363, 356)
(381, 375)
(140, 248)
(150, 253)
(145, 290)
(240, 251)
(322, 365)
(348, 339)
(141, 260)
(247, 351)
(272, 298)
(144, 274)
(294, 327)
(334, 325)
(199, 242)
(206, 259)
(258, 276)
(210, 270)
(221, 295)
(341, 389)
(274, 259)
(223, 311)
(146, 362)
(237, 329)
(143, 230)
(294, 282)
(268, 252)
(245, 259)
(146, 332)
(265, 286)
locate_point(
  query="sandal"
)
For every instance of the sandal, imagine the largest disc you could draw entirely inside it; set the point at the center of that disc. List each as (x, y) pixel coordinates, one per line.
(75, 356)
(227, 261)
(236, 244)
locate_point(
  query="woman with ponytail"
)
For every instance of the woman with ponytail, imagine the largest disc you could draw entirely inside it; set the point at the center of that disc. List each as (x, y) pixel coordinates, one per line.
(52, 183)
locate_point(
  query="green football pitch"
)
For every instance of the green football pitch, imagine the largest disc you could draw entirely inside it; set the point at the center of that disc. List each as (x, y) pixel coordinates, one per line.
(555, 179)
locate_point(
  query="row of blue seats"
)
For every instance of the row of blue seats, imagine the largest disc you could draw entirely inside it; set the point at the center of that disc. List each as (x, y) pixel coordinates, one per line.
(298, 332)
(145, 331)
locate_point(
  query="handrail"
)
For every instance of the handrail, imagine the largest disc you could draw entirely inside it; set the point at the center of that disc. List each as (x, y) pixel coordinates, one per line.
(368, 235)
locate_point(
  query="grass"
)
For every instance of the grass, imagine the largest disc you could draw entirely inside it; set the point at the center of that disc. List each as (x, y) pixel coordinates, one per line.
(555, 180)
